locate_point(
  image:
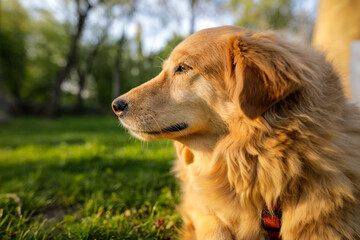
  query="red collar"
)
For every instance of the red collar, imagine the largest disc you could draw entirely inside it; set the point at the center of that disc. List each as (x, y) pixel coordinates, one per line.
(271, 222)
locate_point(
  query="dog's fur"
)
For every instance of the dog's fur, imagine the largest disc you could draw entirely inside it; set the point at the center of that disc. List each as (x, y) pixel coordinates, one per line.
(267, 122)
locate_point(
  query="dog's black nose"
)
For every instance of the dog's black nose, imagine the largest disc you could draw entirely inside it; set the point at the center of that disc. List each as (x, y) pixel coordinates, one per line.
(119, 106)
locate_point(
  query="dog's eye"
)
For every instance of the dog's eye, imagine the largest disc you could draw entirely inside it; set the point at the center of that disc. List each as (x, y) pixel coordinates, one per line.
(182, 68)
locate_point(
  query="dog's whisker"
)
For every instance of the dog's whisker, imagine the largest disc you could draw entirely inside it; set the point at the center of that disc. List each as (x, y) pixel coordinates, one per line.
(160, 130)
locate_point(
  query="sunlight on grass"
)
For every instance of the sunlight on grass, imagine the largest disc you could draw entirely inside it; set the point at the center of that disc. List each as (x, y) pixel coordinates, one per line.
(84, 178)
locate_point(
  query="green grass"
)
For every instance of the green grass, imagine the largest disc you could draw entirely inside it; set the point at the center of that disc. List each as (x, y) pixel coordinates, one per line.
(84, 178)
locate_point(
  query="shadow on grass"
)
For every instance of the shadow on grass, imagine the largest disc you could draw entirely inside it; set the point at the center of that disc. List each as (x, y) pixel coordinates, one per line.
(85, 179)
(132, 180)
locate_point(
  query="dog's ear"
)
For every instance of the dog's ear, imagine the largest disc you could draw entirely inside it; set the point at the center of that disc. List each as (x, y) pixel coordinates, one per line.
(261, 73)
(256, 95)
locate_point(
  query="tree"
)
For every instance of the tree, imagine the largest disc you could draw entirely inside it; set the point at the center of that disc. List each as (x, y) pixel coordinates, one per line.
(199, 8)
(118, 75)
(117, 69)
(192, 15)
(337, 25)
(47, 44)
(4, 108)
(83, 70)
(82, 8)
(103, 74)
(262, 14)
(13, 58)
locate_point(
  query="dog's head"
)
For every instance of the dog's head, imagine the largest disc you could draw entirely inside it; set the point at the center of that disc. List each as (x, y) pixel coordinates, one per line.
(212, 75)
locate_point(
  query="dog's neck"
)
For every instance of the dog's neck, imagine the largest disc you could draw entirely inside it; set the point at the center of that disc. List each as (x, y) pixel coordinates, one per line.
(229, 157)
(201, 143)
(198, 150)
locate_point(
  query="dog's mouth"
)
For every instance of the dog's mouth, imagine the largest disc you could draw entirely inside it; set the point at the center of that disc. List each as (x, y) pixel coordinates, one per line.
(173, 128)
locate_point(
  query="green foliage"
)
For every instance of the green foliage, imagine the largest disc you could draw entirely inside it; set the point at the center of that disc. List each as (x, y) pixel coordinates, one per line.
(84, 178)
(33, 49)
(47, 45)
(13, 32)
(103, 72)
(134, 70)
(262, 14)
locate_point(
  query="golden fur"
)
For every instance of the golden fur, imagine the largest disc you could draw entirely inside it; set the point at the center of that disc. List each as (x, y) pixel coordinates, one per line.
(259, 121)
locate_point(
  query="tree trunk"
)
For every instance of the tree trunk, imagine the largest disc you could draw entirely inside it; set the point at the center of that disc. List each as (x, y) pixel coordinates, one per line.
(192, 15)
(116, 86)
(83, 74)
(53, 107)
(336, 27)
(79, 107)
(116, 77)
(4, 107)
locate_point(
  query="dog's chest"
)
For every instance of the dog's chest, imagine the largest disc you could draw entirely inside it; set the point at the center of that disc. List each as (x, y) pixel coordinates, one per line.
(204, 195)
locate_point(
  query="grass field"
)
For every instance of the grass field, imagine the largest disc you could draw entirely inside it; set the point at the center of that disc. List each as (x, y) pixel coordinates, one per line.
(84, 178)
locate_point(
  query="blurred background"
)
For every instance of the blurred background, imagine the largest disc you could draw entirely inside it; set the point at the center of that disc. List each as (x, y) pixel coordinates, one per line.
(75, 56)
(67, 170)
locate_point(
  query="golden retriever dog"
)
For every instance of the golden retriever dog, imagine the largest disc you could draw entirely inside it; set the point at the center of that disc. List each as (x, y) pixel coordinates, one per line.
(263, 133)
